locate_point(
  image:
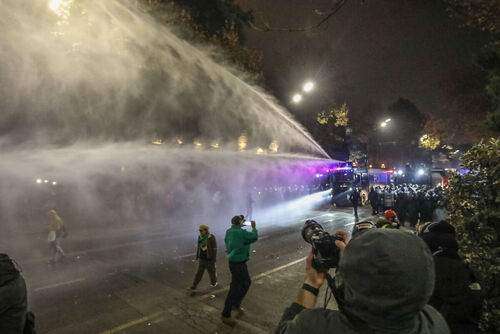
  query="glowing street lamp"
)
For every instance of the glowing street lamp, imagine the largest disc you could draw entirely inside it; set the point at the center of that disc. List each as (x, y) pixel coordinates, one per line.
(308, 86)
(297, 98)
(242, 142)
(384, 123)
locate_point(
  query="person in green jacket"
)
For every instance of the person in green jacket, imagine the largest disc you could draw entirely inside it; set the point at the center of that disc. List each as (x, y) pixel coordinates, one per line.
(237, 242)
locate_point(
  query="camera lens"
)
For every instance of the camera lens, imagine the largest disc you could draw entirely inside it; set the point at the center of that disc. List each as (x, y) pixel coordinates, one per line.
(310, 228)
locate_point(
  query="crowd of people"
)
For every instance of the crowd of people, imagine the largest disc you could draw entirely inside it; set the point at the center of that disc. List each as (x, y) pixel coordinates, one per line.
(412, 203)
(391, 280)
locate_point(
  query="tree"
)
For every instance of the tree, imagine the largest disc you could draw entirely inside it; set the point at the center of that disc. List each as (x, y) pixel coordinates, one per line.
(474, 206)
(217, 22)
(428, 142)
(462, 109)
(485, 14)
(408, 121)
(490, 61)
(339, 116)
(328, 128)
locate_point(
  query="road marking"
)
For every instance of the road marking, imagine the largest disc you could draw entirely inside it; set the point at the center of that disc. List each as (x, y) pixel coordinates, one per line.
(133, 323)
(259, 276)
(160, 313)
(183, 256)
(59, 284)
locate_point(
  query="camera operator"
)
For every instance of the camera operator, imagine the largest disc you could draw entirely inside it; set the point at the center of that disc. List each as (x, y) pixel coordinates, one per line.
(384, 280)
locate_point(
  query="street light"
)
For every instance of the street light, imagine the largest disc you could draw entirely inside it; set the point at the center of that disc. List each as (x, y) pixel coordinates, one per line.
(297, 98)
(308, 86)
(384, 123)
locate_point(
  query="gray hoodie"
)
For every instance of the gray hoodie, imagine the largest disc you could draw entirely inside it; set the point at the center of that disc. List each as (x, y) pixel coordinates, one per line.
(387, 278)
(13, 298)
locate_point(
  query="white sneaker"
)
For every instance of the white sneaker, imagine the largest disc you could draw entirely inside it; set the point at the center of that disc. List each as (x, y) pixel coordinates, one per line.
(214, 285)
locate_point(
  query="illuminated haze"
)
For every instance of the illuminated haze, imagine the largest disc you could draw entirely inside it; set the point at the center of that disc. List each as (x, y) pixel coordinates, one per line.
(88, 86)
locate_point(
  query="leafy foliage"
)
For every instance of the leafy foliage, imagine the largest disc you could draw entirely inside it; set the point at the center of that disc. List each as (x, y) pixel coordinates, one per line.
(474, 206)
(340, 116)
(217, 22)
(484, 14)
(490, 61)
(428, 142)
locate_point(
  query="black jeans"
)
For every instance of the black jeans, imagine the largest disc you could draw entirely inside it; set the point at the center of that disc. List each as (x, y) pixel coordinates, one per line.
(374, 208)
(209, 266)
(240, 282)
(355, 207)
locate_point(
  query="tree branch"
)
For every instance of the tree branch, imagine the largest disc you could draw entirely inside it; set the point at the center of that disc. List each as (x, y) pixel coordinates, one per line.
(266, 27)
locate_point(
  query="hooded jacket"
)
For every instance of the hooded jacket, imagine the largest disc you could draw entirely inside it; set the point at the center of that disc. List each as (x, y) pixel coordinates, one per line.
(452, 295)
(13, 298)
(386, 278)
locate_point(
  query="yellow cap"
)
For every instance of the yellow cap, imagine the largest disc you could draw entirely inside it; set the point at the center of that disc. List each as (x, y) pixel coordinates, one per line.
(203, 227)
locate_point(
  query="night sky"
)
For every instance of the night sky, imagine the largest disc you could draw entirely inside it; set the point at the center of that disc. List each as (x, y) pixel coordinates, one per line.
(368, 54)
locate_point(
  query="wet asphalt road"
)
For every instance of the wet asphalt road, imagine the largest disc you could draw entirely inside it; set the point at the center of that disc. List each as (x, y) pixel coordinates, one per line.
(110, 286)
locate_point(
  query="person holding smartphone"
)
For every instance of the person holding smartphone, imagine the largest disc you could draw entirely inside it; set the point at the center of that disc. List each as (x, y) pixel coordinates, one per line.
(237, 242)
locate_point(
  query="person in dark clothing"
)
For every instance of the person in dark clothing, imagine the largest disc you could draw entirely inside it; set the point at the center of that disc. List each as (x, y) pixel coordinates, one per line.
(400, 208)
(13, 297)
(383, 283)
(453, 296)
(355, 198)
(237, 242)
(413, 209)
(373, 198)
(206, 254)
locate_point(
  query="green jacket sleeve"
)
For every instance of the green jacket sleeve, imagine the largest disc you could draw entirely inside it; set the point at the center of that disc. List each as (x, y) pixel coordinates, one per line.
(251, 237)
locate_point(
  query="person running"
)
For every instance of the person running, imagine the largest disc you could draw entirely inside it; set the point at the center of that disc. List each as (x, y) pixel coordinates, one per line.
(57, 231)
(237, 242)
(206, 255)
